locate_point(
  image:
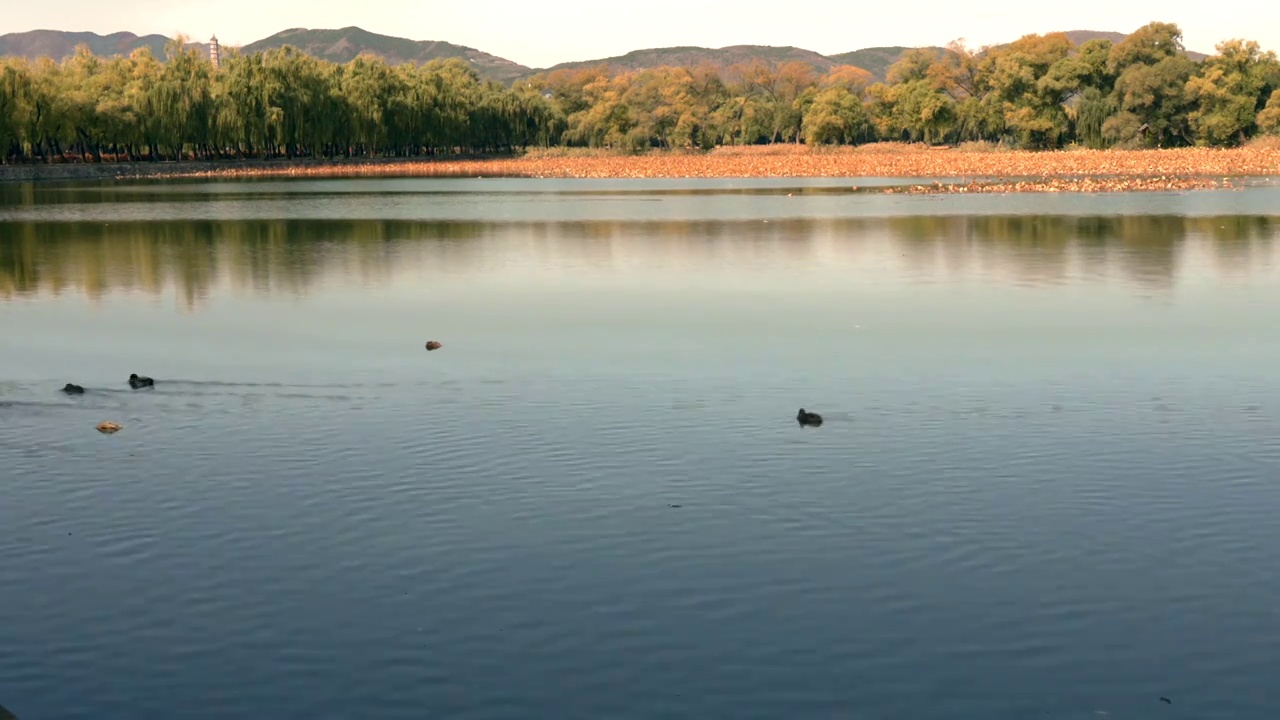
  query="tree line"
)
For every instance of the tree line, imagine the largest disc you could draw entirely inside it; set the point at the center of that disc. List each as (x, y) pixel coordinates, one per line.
(1039, 92)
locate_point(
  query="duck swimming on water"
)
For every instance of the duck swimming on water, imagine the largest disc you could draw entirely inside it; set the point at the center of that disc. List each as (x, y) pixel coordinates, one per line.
(808, 418)
(72, 389)
(136, 381)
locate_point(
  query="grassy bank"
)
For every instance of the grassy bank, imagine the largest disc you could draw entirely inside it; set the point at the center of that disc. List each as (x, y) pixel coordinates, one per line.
(978, 168)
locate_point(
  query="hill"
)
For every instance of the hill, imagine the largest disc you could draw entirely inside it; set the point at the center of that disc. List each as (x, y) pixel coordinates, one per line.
(693, 56)
(57, 44)
(1080, 37)
(343, 45)
(874, 60)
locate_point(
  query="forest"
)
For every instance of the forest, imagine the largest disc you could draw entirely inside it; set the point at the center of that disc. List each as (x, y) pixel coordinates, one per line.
(1040, 92)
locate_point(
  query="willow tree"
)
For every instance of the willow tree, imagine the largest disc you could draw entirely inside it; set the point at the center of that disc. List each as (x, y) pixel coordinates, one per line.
(1269, 118)
(837, 115)
(1152, 70)
(1229, 91)
(17, 110)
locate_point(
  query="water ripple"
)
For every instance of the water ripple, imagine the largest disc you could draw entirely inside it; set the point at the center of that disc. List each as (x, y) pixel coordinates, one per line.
(1004, 495)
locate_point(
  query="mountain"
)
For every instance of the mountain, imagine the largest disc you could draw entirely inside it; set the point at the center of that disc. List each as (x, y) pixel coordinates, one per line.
(334, 45)
(1080, 37)
(341, 46)
(693, 56)
(57, 44)
(344, 44)
(874, 60)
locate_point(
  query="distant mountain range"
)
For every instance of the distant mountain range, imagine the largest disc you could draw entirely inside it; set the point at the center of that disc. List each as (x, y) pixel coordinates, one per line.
(57, 44)
(342, 45)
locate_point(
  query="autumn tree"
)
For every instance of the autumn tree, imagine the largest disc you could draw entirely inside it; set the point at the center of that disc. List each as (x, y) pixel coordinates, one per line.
(1150, 97)
(1269, 118)
(837, 115)
(1229, 91)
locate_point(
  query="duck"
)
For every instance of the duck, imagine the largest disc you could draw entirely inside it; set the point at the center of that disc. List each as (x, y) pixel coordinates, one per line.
(107, 427)
(808, 418)
(136, 381)
(72, 389)
(434, 345)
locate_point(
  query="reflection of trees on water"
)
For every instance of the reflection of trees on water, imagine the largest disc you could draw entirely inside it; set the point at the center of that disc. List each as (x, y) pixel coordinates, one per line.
(1027, 249)
(192, 258)
(1040, 250)
(1241, 243)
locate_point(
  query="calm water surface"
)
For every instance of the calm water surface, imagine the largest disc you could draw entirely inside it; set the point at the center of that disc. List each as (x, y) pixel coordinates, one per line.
(1048, 484)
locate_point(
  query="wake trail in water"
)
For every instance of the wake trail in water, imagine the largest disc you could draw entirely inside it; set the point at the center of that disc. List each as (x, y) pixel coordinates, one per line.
(315, 386)
(38, 397)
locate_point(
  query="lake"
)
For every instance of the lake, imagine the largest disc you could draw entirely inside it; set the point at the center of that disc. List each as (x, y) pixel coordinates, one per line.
(1047, 485)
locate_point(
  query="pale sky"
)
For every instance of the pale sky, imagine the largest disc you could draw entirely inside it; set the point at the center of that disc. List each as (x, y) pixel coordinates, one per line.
(540, 33)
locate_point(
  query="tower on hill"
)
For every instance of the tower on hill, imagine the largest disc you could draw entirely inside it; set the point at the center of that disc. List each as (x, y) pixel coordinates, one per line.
(213, 50)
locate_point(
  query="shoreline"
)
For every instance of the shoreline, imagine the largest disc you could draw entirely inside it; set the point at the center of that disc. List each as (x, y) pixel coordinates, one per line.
(980, 170)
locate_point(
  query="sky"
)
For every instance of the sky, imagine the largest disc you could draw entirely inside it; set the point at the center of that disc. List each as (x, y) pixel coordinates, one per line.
(540, 33)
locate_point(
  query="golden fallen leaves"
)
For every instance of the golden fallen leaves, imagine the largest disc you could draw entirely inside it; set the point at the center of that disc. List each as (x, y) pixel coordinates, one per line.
(1067, 184)
(1069, 170)
(108, 427)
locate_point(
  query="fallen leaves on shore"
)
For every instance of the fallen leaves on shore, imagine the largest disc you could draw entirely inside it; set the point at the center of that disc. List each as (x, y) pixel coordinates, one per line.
(1067, 184)
(1004, 171)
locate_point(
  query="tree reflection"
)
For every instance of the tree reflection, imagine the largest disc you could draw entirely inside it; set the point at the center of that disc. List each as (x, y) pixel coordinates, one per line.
(193, 259)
